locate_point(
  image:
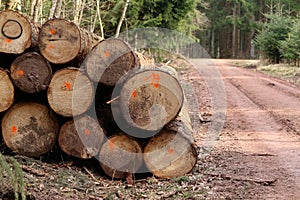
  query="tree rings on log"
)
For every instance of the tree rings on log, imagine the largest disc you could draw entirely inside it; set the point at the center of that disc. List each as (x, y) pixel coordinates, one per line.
(59, 41)
(30, 129)
(70, 92)
(81, 137)
(149, 99)
(109, 61)
(16, 32)
(169, 154)
(7, 91)
(120, 155)
(31, 72)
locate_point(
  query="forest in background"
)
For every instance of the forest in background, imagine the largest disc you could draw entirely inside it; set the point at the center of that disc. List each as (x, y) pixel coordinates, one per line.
(268, 29)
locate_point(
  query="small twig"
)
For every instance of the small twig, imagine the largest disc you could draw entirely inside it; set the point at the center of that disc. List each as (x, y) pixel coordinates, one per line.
(34, 171)
(258, 181)
(90, 173)
(261, 154)
(114, 99)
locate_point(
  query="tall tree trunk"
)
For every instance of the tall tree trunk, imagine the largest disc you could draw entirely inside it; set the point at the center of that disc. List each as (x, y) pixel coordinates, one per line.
(122, 18)
(234, 31)
(58, 9)
(52, 9)
(13, 5)
(100, 20)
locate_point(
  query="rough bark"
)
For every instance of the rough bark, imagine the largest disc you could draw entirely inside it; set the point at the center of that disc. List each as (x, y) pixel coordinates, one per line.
(16, 32)
(110, 60)
(149, 99)
(81, 137)
(31, 73)
(120, 155)
(70, 92)
(7, 91)
(29, 129)
(62, 41)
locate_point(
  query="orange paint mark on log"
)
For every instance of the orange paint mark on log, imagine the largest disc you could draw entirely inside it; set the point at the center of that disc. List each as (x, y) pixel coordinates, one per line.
(106, 54)
(52, 31)
(68, 85)
(51, 46)
(14, 129)
(87, 132)
(171, 151)
(8, 40)
(111, 145)
(134, 93)
(155, 79)
(20, 72)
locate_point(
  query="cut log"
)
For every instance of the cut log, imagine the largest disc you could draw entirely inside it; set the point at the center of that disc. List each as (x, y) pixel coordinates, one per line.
(149, 99)
(31, 73)
(120, 155)
(70, 92)
(7, 91)
(62, 41)
(169, 154)
(172, 153)
(81, 137)
(16, 32)
(29, 129)
(109, 61)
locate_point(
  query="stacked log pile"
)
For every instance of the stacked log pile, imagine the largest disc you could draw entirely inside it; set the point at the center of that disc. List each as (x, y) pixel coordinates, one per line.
(141, 117)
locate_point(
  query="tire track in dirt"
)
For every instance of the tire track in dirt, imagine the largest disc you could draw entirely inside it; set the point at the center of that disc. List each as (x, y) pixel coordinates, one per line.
(263, 116)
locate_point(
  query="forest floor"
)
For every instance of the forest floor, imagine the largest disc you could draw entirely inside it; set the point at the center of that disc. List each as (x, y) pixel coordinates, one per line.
(255, 155)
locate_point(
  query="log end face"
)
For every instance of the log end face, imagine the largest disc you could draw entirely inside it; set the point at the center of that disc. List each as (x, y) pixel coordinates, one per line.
(15, 34)
(59, 41)
(7, 91)
(29, 129)
(169, 155)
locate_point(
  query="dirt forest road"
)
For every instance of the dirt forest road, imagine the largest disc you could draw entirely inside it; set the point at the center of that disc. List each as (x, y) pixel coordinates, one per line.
(263, 125)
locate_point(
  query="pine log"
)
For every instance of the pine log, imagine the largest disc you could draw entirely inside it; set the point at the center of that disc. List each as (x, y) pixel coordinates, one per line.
(149, 99)
(120, 155)
(7, 91)
(81, 137)
(16, 32)
(172, 153)
(109, 61)
(31, 73)
(70, 92)
(62, 41)
(29, 129)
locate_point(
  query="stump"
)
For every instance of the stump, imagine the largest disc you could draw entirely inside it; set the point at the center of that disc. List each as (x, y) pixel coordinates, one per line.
(16, 32)
(29, 129)
(109, 61)
(149, 99)
(7, 91)
(120, 155)
(62, 41)
(70, 92)
(31, 73)
(81, 137)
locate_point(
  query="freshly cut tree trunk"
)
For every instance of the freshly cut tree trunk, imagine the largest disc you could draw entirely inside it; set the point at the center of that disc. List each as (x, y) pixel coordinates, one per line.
(81, 137)
(30, 129)
(7, 91)
(172, 153)
(149, 99)
(62, 41)
(169, 154)
(120, 155)
(70, 92)
(109, 61)
(31, 72)
(16, 32)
